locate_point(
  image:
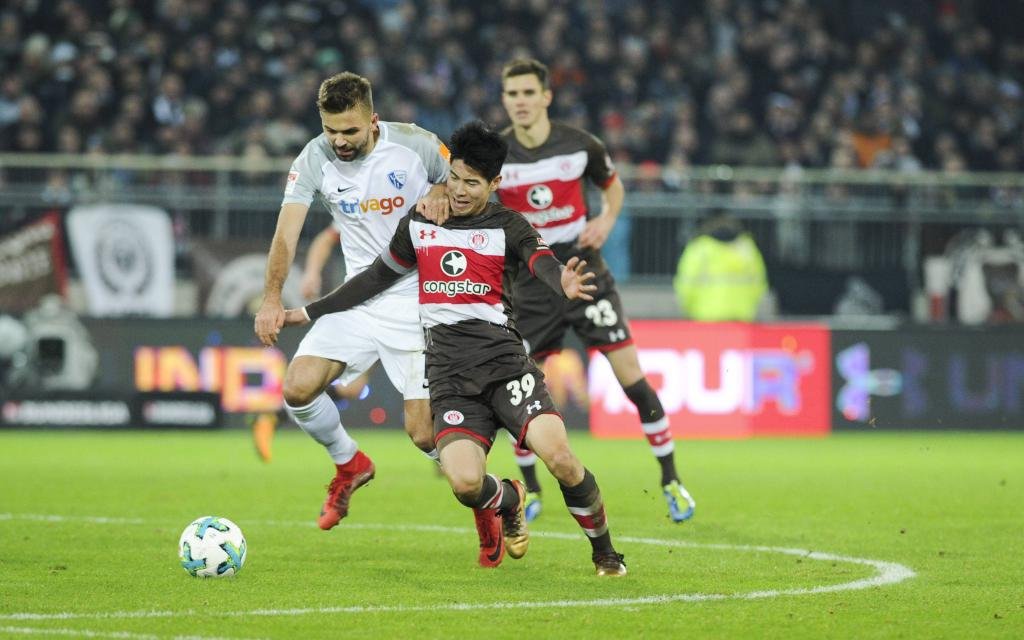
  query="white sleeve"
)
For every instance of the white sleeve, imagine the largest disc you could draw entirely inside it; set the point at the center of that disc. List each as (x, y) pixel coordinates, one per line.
(427, 146)
(304, 177)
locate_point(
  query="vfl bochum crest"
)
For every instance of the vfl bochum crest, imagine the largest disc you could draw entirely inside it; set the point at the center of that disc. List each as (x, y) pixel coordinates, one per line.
(397, 178)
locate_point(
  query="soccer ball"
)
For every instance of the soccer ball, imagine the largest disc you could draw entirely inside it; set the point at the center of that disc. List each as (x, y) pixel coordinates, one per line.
(212, 547)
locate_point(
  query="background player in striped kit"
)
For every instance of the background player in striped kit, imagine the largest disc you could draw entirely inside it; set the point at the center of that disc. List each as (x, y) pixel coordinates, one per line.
(544, 179)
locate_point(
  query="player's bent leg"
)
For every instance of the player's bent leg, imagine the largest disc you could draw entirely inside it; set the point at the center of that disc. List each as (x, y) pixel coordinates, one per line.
(655, 425)
(307, 377)
(348, 477)
(419, 426)
(527, 462)
(463, 462)
(547, 437)
(316, 414)
(625, 365)
(311, 408)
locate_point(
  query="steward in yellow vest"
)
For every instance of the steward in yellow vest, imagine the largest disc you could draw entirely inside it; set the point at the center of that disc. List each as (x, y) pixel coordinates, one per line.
(721, 274)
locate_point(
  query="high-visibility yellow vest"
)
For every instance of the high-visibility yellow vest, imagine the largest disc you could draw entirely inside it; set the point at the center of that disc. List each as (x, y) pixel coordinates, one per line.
(720, 281)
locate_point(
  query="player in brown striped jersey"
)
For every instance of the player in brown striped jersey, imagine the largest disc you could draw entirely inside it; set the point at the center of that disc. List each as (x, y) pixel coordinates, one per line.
(479, 375)
(544, 179)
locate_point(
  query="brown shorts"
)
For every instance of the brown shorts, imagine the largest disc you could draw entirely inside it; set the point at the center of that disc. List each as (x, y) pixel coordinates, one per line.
(543, 317)
(507, 392)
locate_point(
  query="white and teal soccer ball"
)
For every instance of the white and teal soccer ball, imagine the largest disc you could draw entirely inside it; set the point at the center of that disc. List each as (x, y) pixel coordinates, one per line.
(212, 547)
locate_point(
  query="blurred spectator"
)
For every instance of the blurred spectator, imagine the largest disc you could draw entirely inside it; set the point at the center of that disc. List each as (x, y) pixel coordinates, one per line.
(911, 85)
(721, 274)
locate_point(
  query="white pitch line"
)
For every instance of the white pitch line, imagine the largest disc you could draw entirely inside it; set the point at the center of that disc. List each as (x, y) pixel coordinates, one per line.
(40, 517)
(86, 633)
(887, 573)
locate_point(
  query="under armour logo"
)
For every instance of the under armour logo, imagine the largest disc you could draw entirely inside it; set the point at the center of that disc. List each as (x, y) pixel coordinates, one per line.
(862, 382)
(424, 234)
(533, 406)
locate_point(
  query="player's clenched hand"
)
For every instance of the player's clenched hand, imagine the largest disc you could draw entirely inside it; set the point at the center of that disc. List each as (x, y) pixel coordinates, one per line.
(295, 318)
(575, 282)
(269, 320)
(434, 207)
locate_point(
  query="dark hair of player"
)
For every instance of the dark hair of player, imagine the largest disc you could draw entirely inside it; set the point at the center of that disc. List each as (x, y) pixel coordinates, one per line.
(344, 91)
(480, 148)
(526, 66)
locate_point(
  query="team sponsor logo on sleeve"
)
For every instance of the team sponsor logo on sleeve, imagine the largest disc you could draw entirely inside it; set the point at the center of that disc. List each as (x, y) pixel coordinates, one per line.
(454, 417)
(289, 185)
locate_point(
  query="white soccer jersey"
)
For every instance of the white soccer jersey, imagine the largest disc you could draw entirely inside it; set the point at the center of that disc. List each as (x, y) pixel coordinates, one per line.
(369, 196)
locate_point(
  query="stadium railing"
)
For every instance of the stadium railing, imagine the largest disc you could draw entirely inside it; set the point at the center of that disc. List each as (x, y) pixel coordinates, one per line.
(845, 220)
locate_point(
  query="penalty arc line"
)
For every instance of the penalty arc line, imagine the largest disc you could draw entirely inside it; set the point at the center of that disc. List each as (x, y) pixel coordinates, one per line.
(887, 573)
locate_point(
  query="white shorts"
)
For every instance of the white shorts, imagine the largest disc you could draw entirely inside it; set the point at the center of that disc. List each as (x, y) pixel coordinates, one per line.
(387, 328)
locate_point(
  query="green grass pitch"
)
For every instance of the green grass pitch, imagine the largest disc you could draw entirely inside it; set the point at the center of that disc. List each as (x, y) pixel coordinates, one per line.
(89, 524)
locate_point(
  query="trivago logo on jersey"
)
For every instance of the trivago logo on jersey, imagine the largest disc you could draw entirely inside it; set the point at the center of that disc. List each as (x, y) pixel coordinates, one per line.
(722, 380)
(384, 206)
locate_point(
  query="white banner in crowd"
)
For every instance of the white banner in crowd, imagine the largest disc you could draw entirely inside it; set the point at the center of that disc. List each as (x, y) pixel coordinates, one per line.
(125, 256)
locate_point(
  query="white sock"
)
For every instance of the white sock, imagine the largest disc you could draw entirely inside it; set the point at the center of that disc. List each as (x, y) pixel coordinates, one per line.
(321, 420)
(659, 436)
(433, 455)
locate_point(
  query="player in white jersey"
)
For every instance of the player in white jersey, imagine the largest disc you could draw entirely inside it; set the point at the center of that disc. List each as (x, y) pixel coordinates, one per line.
(368, 173)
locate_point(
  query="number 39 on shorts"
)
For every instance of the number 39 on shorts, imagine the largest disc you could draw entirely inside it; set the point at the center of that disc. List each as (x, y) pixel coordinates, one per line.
(521, 389)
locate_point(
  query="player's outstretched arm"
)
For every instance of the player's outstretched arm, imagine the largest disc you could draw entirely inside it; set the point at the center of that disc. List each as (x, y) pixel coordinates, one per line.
(576, 283)
(569, 279)
(295, 317)
(376, 279)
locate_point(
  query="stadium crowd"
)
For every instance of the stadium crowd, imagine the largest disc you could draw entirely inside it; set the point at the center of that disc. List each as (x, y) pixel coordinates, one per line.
(905, 85)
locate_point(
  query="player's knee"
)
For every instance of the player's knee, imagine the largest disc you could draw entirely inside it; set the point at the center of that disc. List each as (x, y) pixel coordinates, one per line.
(423, 441)
(563, 464)
(298, 395)
(466, 488)
(421, 432)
